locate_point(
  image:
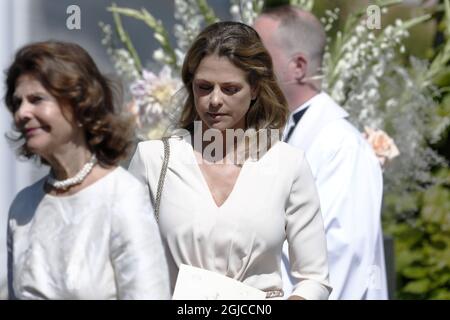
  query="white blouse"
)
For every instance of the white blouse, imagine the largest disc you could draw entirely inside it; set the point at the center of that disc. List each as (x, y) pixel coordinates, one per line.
(273, 199)
(100, 243)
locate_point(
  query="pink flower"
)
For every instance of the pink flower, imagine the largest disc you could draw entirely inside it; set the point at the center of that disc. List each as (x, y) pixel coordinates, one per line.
(383, 145)
(152, 103)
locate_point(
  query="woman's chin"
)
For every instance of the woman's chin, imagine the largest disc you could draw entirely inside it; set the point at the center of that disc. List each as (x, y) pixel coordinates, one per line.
(37, 148)
(221, 126)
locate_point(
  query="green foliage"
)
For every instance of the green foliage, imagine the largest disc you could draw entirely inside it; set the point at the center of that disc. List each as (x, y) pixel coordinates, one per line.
(160, 33)
(422, 229)
(422, 244)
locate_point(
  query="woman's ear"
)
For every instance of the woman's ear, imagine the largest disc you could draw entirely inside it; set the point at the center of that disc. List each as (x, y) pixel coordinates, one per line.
(254, 91)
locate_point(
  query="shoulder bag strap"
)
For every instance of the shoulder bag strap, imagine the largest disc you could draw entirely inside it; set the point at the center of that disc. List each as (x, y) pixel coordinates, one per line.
(162, 177)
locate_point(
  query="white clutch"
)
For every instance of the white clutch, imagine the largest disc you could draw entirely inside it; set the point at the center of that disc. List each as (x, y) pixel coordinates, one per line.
(200, 284)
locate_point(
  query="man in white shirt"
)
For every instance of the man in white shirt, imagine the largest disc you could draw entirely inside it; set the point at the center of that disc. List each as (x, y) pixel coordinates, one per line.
(347, 174)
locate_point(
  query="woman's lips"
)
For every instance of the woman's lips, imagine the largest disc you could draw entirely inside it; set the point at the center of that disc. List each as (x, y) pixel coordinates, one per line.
(31, 131)
(216, 115)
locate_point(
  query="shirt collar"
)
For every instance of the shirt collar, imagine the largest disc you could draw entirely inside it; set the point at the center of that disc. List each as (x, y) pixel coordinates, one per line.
(305, 105)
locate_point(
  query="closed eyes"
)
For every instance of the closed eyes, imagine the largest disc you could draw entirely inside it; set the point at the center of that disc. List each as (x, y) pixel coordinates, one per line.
(35, 99)
(229, 90)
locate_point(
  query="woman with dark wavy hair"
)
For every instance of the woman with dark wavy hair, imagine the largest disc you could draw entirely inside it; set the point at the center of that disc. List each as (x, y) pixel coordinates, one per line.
(229, 208)
(86, 230)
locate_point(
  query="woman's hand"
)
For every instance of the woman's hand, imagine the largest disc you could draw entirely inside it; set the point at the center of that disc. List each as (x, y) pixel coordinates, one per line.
(294, 297)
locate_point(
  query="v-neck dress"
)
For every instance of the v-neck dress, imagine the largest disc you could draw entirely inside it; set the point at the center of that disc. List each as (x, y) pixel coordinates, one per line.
(274, 198)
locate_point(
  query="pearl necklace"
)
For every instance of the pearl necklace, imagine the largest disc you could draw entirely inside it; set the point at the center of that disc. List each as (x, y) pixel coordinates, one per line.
(77, 179)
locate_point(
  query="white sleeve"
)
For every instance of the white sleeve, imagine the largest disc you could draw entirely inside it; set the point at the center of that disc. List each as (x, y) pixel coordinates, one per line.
(138, 166)
(306, 237)
(146, 164)
(137, 252)
(350, 191)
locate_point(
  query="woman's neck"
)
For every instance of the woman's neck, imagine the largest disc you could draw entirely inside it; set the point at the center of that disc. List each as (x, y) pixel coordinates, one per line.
(228, 145)
(67, 163)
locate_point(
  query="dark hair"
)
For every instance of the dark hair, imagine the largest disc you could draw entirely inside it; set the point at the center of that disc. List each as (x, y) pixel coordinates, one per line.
(70, 75)
(242, 45)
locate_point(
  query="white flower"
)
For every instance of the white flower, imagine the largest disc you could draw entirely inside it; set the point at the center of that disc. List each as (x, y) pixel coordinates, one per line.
(235, 12)
(158, 55)
(373, 93)
(376, 52)
(378, 69)
(360, 30)
(391, 103)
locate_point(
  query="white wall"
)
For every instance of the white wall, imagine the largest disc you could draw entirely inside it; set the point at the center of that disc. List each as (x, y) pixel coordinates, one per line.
(14, 174)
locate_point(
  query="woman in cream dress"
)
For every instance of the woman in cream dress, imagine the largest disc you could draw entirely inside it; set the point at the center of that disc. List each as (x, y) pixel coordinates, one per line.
(231, 216)
(87, 230)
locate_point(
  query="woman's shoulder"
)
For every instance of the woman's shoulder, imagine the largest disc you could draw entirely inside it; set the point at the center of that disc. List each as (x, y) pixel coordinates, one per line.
(122, 179)
(157, 146)
(28, 197)
(287, 151)
(36, 189)
(150, 146)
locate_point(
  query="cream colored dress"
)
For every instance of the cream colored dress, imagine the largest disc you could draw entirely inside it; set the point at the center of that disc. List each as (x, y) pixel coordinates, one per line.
(100, 243)
(273, 199)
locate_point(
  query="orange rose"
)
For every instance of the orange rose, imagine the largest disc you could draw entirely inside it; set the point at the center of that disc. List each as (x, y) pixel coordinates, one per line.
(383, 145)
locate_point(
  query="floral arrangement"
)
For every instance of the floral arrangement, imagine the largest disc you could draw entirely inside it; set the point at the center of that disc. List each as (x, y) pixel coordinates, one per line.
(365, 73)
(364, 70)
(152, 102)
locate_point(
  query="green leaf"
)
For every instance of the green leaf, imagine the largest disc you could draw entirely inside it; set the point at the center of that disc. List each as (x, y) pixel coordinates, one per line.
(207, 12)
(444, 280)
(417, 287)
(447, 17)
(386, 3)
(441, 294)
(415, 272)
(160, 33)
(406, 258)
(125, 39)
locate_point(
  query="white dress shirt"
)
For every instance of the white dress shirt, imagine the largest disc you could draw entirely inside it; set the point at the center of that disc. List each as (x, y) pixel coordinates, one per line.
(349, 182)
(100, 243)
(274, 199)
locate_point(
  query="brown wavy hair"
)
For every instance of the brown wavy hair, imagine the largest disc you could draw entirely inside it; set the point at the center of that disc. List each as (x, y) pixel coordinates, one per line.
(242, 45)
(70, 75)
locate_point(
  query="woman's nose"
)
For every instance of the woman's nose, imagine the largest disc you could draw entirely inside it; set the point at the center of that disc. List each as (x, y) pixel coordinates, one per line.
(23, 112)
(216, 97)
